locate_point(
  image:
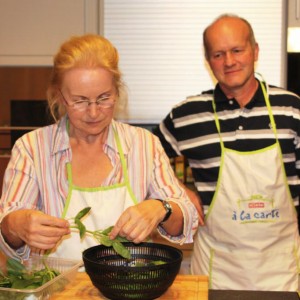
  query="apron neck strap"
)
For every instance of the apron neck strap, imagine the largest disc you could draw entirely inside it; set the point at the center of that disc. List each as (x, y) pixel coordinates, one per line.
(217, 120)
(267, 101)
(122, 157)
(124, 166)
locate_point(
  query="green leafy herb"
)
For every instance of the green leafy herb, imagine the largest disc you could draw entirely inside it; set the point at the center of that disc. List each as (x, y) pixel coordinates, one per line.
(81, 228)
(106, 241)
(14, 265)
(82, 213)
(120, 249)
(18, 277)
(101, 235)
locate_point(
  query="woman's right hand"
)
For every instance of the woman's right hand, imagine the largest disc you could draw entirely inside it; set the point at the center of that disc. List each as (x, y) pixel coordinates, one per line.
(34, 228)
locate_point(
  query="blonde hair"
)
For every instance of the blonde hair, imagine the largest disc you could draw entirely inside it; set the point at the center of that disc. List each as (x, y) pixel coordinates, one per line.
(88, 51)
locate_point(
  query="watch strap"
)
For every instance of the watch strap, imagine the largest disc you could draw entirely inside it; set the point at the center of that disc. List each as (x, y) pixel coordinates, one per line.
(168, 209)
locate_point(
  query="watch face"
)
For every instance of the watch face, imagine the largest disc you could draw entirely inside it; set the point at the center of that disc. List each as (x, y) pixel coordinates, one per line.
(168, 209)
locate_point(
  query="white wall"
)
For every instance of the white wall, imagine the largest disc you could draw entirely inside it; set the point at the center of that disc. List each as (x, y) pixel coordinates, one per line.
(160, 45)
(159, 41)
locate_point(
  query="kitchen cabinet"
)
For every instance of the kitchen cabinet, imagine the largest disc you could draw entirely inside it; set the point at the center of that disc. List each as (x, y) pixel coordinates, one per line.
(32, 30)
(3, 164)
(293, 13)
(18, 83)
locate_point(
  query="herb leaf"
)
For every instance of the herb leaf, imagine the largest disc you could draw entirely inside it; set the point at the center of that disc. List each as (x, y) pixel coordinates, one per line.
(82, 213)
(121, 249)
(121, 239)
(106, 241)
(81, 228)
(15, 265)
(107, 230)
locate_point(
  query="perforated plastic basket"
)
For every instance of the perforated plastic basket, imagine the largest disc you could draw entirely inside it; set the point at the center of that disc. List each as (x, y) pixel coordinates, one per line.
(118, 278)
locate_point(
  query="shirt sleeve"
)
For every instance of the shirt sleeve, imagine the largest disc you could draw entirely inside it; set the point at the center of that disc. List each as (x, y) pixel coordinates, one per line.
(164, 185)
(166, 133)
(20, 191)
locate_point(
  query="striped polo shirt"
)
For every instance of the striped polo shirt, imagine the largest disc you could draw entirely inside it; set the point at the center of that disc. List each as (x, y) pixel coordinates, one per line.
(190, 130)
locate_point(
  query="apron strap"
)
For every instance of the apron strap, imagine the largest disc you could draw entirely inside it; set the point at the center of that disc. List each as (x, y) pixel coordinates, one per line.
(124, 167)
(122, 157)
(267, 101)
(217, 121)
(70, 183)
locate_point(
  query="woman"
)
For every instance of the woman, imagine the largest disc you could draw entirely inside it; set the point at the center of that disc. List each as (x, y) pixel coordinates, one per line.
(88, 159)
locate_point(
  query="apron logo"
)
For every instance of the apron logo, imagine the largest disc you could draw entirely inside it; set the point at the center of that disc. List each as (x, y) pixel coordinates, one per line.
(256, 205)
(257, 208)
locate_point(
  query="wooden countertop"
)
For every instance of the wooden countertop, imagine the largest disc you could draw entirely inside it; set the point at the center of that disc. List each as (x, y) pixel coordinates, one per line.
(187, 287)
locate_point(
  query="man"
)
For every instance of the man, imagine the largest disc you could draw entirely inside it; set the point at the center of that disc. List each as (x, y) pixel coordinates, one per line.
(242, 141)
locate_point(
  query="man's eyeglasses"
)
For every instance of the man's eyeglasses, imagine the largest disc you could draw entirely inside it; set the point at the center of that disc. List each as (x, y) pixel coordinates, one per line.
(81, 105)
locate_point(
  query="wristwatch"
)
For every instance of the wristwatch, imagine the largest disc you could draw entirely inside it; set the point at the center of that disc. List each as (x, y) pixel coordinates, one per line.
(168, 209)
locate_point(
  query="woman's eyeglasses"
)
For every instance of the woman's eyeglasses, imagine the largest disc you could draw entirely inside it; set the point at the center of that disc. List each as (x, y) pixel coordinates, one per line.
(82, 105)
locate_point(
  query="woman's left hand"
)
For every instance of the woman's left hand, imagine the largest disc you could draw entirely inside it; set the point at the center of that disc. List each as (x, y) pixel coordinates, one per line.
(138, 221)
